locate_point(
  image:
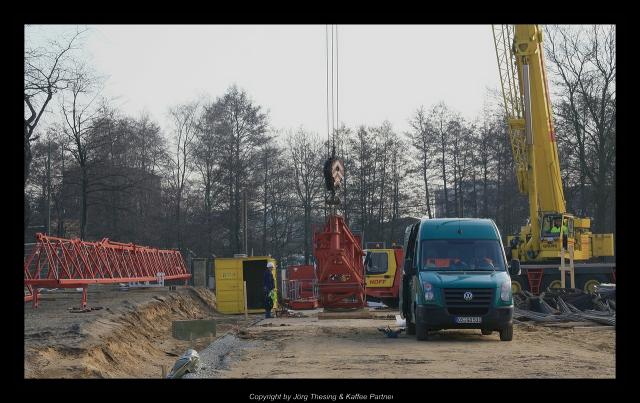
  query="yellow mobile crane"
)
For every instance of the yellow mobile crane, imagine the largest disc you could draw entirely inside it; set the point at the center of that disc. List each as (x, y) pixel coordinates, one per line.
(551, 230)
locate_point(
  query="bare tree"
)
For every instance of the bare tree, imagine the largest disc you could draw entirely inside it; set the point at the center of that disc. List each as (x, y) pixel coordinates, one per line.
(281, 202)
(583, 64)
(78, 109)
(306, 152)
(206, 161)
(441, 118)
(184, 119)
(486, 141)
(460, 149)
(242, 130)
(398, 172)
(422, 140)
(46, 72)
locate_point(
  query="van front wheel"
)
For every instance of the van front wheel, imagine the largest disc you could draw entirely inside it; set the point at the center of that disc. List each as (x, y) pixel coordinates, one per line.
(506, 334)
(421, 331)
(411, 327)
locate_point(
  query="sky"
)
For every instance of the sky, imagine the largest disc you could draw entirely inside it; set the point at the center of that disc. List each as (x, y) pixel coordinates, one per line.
(385, 72)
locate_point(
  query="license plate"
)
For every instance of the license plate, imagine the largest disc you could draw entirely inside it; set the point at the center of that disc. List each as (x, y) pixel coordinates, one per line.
(468, 319)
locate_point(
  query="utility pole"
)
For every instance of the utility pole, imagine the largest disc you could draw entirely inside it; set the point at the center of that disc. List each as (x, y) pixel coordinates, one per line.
(244, 196)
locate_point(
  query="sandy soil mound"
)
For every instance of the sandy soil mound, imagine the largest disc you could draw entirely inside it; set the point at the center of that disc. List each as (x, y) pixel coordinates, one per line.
(128, 339)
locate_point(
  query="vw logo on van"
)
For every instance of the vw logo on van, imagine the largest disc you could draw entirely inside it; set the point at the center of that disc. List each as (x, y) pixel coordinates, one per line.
(468, 296)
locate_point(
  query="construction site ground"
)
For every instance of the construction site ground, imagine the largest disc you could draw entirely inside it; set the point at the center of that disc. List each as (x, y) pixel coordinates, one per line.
(131, 338)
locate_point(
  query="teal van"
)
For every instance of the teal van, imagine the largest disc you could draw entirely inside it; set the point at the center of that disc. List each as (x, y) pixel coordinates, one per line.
(455, 277)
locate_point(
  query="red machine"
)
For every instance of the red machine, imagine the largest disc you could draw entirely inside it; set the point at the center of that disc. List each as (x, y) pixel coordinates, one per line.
(340, 272)
(301, 287)
(72, 263)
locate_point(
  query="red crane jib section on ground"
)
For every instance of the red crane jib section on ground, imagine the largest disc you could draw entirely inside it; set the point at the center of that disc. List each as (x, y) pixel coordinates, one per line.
(73, 263)
(340, 268)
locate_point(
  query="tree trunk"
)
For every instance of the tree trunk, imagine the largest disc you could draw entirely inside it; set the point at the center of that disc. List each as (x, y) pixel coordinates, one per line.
(27, 213)
(485, 195)
(264, 202)
(27, 156)
(307, 225)
(238, 243)
(207, 208)
(601, 197)
(444, 180)
(475, 195)
(83, 208)
(455, 186)
(426, 188)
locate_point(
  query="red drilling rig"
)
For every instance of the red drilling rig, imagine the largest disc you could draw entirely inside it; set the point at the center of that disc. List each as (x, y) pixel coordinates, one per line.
(338, 252)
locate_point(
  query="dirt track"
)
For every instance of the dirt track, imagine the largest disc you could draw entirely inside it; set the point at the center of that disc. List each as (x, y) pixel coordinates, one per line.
(312, 348)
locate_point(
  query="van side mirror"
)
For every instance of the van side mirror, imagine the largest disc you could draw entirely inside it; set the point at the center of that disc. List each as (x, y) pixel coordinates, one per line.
(514, 267)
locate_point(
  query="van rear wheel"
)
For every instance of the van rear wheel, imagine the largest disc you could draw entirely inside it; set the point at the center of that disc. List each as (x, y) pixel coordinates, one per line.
(506, 334)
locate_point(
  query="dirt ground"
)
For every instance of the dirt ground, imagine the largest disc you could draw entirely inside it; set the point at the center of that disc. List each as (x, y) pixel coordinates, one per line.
(131, 338)
(354, 348)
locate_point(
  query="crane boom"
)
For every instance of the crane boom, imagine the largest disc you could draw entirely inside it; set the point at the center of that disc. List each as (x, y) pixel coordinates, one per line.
(520, 61)
(513, 104)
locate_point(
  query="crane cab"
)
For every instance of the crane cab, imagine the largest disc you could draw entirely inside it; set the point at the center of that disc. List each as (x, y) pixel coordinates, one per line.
(557, 233)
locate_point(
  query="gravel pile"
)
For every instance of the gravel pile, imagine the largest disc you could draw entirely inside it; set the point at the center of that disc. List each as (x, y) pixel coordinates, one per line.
(216, 358)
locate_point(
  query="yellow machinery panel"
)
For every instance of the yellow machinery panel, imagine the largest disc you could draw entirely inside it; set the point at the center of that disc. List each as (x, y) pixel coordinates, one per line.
(384, 279)
(231, 273)
(582, 223)
(602, 244)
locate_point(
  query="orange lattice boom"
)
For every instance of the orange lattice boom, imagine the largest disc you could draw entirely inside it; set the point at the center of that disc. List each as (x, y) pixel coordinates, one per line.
(73, 263)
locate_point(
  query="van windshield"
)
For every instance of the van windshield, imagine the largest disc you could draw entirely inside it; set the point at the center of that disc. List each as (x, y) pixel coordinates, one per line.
(465, 255)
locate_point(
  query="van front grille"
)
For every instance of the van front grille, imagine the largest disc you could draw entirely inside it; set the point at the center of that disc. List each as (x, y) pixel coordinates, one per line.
(478, 305)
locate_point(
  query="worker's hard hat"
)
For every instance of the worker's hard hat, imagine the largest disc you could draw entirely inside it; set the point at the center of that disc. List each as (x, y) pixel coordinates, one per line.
(270, 265)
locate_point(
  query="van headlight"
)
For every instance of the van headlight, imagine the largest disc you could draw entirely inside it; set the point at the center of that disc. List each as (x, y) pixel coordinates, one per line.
(428, 291)
(505, 291)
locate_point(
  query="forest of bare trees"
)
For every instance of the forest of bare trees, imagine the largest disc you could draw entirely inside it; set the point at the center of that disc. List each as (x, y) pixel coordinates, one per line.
(100, 173)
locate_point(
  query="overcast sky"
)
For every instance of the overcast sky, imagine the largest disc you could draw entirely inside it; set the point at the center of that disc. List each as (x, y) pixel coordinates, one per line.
(385, 72)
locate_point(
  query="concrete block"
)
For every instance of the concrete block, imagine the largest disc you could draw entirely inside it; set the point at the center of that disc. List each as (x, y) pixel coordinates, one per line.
(193, 329)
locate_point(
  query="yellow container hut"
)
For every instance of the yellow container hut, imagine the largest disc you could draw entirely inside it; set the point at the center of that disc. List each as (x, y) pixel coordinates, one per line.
(231, 273)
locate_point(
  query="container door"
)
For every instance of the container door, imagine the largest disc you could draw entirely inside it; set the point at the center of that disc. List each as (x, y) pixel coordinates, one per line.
(229, 290)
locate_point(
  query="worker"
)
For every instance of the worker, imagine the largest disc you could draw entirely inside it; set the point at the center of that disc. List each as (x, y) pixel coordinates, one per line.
(269, 286)
(556, 227)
